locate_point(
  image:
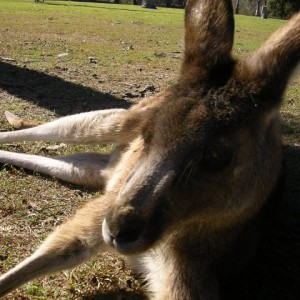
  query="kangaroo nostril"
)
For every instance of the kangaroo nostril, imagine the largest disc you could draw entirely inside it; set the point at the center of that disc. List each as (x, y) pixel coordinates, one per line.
(129, 234)
(122, 229)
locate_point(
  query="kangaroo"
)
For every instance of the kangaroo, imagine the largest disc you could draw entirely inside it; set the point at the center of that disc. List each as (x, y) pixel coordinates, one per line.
(193, 169)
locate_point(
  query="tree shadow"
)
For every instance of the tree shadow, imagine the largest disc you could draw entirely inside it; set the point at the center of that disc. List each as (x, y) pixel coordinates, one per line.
(107, 6)
(274, 272)
(54, 93)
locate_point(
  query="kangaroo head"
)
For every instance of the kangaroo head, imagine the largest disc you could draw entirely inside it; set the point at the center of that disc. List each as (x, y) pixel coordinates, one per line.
(208, 150)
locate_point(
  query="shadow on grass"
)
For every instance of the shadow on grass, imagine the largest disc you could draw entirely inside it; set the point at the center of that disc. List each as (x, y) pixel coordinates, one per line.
(54, 93)
(108, 6)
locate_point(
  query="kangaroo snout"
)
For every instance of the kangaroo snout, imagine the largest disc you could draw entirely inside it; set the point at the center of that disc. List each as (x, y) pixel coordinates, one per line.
(136, 219)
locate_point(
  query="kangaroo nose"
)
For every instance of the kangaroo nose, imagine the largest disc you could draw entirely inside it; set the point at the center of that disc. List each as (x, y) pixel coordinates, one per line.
(121, 230)
(130, 232)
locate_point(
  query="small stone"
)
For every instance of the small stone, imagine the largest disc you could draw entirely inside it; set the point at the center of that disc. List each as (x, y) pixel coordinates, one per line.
(62, 55)
(3, 257)
(7, 59)
(131, 95)
(160, 54)
(92, 60)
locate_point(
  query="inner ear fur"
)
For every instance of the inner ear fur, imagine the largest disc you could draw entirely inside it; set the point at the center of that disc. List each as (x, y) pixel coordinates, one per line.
(209, 31)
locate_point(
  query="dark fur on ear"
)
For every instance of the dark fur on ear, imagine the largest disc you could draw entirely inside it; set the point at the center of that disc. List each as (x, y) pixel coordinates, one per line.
(209, 30)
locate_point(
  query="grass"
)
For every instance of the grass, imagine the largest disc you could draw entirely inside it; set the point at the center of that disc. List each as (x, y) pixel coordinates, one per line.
(115, 55)
(251, 32)
(97, 30)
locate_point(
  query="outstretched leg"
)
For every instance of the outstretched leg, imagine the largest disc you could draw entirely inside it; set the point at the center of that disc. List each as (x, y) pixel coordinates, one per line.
(86, 169)
(71, 244)
(102, 126)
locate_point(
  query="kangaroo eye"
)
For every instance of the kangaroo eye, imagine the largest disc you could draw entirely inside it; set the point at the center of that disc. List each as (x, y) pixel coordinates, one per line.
(217, 159)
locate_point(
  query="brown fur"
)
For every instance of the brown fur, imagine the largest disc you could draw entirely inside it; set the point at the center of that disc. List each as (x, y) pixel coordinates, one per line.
(187, 188)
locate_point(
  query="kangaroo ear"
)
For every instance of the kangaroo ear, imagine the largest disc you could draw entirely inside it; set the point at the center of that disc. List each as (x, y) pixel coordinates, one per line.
(209, 29)
(272, 65)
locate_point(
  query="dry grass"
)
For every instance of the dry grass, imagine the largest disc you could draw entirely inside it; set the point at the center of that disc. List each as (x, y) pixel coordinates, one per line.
(116, 54)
